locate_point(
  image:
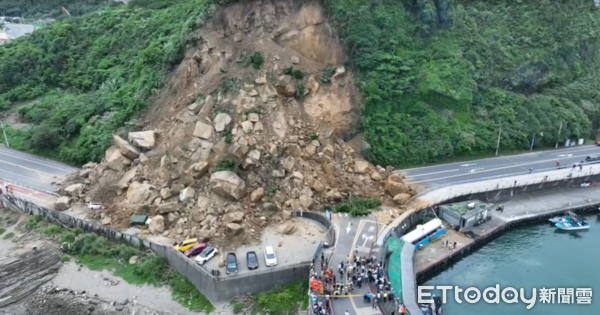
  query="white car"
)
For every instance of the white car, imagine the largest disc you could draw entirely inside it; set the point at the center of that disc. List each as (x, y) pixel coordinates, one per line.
(94, 205)
(270, 258)
(208, 253)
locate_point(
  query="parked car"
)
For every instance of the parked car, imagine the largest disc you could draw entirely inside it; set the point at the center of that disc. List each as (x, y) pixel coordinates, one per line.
(195, 250)
(140, 221)
(252, 260)
(232, 265)
(94, 205)
(597, 142)
(186, 244)
(208, 253)
(270, 258)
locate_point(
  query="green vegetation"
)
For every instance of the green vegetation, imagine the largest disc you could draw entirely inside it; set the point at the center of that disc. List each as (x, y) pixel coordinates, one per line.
(80, 78)
(356, 207)
(256, 60)
(226, 165)
(99, 253)
(8, 235)
(65, 258)
(2, 231)
(439, 78)
(281, 300)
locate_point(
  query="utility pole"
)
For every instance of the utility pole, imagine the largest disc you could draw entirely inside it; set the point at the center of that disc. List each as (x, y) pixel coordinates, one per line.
(558, 140)
(498, 144)
(5, 137)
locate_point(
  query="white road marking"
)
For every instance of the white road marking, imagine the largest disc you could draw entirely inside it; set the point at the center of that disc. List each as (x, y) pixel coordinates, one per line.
(475, 170)
(39, 162)
(417, 175)
(465, 165)
(366, 238)
(371, 229)
(346, 215)
(488, 170)
(565, 155)
(348, 228)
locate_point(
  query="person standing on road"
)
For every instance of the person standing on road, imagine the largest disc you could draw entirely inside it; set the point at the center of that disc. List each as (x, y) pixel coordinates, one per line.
(530, 170)
(346, 312)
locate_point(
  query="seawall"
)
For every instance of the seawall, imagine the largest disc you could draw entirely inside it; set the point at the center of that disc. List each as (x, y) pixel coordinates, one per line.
(216, 288)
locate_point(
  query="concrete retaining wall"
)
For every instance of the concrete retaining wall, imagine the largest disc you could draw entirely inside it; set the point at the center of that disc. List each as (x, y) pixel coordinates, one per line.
(215, 288)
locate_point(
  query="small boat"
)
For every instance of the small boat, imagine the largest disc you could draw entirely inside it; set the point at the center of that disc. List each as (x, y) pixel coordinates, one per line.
(564, 218)
(573, 225)
(558, 219)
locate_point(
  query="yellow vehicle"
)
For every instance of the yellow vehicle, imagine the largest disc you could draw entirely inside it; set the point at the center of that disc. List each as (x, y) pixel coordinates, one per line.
(186, 244)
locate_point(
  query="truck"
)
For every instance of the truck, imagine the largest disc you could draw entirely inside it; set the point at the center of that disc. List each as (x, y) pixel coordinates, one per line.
(140, 221)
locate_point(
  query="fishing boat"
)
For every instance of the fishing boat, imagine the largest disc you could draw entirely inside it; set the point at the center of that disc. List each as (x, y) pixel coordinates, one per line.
(573, 225)
(564, 218)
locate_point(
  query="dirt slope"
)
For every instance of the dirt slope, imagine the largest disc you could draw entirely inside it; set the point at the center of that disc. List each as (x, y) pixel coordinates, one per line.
(227, 148)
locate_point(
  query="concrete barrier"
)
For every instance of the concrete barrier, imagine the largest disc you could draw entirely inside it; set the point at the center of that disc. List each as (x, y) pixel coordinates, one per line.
(215, 288)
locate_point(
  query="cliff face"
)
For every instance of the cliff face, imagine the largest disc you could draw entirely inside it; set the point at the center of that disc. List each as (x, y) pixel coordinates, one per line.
(248, 129)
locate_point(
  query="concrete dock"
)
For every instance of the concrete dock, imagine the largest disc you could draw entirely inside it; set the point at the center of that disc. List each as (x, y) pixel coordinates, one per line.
(519, 208)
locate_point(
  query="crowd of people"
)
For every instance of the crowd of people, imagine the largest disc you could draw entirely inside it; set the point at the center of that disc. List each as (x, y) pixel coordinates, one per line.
(356, 271)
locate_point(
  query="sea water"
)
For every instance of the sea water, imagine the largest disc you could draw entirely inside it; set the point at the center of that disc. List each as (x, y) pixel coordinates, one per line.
(529, 257)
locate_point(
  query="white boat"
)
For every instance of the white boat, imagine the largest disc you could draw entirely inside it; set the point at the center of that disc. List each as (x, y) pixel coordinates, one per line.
(558, 219)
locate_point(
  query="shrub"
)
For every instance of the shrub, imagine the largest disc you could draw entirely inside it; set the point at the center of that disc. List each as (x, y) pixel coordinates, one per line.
(256, 60)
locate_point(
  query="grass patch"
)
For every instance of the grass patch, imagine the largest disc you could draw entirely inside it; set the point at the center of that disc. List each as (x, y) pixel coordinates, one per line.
(358, 207)
(281, 300)
(226, 165)
(237, 306)
(2, 231)
(98, 253)
(228, 135)
(326, 74)
(8, 235)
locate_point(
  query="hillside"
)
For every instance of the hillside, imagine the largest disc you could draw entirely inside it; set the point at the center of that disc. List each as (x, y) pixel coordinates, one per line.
(246, 131)
(440, 77)
(436, 78)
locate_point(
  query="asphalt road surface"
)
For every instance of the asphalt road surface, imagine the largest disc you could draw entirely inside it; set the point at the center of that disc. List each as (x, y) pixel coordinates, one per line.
(31, 171)
(432, 176)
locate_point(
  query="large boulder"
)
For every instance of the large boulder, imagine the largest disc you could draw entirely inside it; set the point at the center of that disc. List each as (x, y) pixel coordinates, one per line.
(139, 193)
(115, 160)
(401, 198)
(228, 185)
(394, 185)
(360, 166)
(286, 88)
(143, 139)
(126, 149)
(233, 217)
(198, 170)
(157, 225)
(234, 228)
(74, 190)
(186, 194)
(62, 203)
(287, 228)
(168, 207)
(221, 121)
(202, 130)
(127, 178)
(257, 194)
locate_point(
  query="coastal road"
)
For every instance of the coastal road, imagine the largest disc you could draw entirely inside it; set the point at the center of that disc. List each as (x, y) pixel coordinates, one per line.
(435, 175)
(30, 170)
